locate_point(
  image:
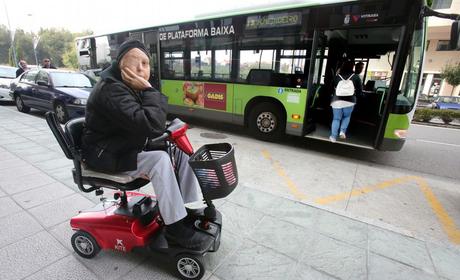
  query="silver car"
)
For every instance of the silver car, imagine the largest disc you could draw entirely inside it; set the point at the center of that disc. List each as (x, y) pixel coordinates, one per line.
(7, 74)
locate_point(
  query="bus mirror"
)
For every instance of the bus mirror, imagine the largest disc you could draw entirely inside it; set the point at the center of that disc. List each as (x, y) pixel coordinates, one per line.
(455, 36)
(85, 52)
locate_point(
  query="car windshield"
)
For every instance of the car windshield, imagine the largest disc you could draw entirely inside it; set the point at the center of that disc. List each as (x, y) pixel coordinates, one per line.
(77, 80)
(449, 99)
(7, 72)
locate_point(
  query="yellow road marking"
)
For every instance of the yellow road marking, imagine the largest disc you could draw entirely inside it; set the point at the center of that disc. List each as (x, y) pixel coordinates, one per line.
(279, 169)
(362, 191)
(447, 222)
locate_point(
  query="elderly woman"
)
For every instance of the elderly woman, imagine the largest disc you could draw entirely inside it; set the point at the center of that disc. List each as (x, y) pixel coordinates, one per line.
(122, 112)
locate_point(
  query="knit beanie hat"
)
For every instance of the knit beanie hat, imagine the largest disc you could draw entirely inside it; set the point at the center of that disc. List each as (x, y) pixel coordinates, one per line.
(128, 45)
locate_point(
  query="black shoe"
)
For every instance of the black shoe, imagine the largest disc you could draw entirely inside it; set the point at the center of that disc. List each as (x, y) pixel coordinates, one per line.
(194, 212)
(179, 234)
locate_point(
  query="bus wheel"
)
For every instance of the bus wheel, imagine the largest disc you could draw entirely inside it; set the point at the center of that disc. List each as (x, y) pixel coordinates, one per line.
(266, 122)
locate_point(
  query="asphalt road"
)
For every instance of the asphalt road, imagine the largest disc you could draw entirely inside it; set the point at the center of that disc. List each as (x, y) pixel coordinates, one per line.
(428, 149)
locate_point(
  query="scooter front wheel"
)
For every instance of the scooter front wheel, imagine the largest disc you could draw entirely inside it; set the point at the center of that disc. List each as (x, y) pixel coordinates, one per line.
(85, 245)
(189, 266)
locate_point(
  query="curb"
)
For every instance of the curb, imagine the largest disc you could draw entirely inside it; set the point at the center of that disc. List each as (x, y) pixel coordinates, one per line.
(437, 124)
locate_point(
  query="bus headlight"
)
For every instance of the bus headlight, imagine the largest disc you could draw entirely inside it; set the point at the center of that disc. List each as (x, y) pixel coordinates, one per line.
(80, 101)
(401, 133)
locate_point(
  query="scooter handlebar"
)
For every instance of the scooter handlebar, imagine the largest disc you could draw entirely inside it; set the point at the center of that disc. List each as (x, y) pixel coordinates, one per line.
(176, 133)
(162, 137)
(176, 124)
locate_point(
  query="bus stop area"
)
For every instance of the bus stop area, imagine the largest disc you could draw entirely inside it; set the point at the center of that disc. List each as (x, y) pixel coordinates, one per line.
(338, 219)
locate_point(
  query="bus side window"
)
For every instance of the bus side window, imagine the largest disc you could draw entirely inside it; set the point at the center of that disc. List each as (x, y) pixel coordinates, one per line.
(260, 76)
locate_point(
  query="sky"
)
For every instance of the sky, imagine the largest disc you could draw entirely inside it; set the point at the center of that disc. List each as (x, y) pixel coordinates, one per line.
(103, 16)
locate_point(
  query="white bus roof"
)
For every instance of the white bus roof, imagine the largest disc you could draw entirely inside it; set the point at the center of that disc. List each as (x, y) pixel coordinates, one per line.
(235, 12)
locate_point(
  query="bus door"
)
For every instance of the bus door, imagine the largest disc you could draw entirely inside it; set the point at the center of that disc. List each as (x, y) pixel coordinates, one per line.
(151, 41)
(375, 48)
(317, 108)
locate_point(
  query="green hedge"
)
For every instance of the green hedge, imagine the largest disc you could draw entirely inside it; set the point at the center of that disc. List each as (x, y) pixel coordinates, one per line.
(427, 114)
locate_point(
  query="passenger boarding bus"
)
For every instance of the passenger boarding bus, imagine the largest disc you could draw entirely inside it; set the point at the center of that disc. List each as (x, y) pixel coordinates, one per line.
(272, 69)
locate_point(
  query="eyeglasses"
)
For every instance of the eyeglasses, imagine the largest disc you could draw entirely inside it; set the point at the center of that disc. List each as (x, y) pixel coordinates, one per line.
(46, 61)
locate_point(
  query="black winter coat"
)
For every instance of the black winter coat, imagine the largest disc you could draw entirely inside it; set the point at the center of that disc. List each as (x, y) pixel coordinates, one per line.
(118, 122)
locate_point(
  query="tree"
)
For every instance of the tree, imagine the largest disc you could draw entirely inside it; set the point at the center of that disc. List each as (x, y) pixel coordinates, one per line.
(57, 44)
(23, 43)
(53, 44)
(69, 58)
(5, 44)
(451, 72)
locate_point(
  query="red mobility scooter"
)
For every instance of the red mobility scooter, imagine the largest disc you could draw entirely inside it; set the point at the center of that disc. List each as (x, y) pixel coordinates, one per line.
(131, 220)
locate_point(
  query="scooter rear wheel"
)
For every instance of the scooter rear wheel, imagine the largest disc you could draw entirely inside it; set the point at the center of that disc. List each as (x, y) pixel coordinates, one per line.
(85, 245)
(189, 266)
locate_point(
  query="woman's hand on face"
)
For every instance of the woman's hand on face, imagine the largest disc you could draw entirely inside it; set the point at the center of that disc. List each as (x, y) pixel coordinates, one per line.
(134, 81)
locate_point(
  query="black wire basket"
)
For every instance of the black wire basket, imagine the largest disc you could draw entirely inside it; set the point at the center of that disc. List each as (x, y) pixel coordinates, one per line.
(215, 167)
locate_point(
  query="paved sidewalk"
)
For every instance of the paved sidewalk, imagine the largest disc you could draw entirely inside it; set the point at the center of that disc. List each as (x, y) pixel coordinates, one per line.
(264, 236)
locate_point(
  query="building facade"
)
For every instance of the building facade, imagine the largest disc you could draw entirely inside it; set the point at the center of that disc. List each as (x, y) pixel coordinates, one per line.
(438, 54)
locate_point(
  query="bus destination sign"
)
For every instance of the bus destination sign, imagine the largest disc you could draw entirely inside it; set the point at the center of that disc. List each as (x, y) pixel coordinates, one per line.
(274, 20)
(198, 33)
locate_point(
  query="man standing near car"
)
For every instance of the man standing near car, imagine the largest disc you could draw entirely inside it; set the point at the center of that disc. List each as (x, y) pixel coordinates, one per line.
(47, 64)
(22, 67)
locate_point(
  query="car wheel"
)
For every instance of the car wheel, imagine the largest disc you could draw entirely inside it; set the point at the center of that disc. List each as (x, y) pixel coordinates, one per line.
(189, 266)
(85, 245)
(266, 122)
(61, 112)
(20, 105)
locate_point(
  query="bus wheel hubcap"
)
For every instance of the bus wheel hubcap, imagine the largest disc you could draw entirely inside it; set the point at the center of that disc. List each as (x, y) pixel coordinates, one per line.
(266, 122)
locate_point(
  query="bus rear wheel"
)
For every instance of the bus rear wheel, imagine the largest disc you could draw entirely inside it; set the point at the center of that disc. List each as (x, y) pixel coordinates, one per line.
(266, 122)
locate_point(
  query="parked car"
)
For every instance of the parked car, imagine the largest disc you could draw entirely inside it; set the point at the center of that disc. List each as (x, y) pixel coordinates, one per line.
(425, 100)
(447, 102)
(64, 92)
(93, 73)
(14, 82)
(7, 74)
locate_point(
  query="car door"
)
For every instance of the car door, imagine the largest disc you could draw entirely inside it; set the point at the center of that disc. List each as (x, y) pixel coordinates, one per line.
(44, 91)
(26, 88)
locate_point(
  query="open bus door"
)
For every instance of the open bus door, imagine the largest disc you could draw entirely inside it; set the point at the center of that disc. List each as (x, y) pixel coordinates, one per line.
(375, 47)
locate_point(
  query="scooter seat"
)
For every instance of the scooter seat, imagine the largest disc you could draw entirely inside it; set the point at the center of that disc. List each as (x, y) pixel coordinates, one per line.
(116, 177)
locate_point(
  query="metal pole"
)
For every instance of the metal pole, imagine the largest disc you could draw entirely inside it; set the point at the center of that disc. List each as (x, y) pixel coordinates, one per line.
(36, 39)
(12, 35)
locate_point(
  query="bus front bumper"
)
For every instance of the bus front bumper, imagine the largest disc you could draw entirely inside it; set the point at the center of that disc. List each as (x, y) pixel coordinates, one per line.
(389, 144)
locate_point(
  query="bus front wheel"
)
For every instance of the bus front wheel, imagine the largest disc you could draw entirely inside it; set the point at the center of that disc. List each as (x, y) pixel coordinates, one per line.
(266, 122)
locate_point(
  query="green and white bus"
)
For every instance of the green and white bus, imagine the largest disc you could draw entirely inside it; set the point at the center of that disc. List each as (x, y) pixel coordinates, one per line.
(272, 69)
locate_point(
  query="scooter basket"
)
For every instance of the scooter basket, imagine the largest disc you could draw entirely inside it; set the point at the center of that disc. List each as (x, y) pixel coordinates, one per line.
(215, 167)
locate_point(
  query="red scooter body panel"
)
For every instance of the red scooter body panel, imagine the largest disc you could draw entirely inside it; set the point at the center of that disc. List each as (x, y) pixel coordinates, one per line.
(114, 231)
(179, 137)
